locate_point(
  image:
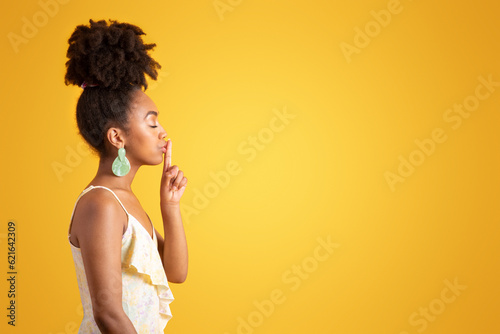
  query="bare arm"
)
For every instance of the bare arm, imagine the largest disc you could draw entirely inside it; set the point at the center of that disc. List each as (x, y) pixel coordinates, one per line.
(174, 252)
(100, 238)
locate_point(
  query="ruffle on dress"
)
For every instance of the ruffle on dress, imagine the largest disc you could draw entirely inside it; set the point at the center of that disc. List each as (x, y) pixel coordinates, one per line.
(142, 254)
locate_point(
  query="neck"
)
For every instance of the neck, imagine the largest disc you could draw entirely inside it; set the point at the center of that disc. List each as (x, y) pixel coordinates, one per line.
(105, 176)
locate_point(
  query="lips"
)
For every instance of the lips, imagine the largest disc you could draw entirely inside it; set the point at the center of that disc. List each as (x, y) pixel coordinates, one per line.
(164, 148)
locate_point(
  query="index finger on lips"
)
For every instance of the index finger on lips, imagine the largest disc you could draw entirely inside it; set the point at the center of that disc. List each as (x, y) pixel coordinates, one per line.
(167, 156)
(169, 153)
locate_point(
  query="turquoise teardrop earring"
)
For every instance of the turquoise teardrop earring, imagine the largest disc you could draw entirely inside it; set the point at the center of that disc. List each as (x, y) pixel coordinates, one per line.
(121, 165)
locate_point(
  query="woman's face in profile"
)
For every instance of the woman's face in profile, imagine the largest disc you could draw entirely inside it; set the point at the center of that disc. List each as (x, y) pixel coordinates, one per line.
(145, 139)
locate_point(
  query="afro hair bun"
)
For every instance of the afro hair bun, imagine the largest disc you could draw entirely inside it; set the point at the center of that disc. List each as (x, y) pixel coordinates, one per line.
(112, 56)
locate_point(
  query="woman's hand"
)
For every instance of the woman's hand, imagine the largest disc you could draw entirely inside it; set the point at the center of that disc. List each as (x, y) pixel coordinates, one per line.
(173, 181)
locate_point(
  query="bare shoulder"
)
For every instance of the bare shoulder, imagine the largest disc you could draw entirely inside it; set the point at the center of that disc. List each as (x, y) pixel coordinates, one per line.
(98, 212)
(100, 219)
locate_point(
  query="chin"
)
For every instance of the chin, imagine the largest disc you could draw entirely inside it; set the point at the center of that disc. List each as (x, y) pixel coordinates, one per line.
(153, 161)
(157, 162)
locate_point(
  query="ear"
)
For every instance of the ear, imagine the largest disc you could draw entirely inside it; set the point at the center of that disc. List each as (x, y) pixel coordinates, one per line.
(116, 137)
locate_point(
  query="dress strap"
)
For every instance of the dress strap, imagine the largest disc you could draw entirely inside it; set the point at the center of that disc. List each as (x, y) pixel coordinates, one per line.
(86, 191)
(92, 187)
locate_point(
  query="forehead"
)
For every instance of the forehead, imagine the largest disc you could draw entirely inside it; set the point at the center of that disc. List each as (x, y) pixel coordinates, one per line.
(141, 104)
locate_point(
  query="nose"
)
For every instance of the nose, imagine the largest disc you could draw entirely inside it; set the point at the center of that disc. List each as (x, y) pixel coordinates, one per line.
(162, 133)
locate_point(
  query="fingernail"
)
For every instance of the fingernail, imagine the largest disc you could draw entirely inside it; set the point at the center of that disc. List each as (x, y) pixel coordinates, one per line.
(174, 188)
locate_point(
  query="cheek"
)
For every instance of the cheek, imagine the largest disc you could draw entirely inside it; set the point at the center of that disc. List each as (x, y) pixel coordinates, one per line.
(143, 142)
(136, 141)
(138, 135)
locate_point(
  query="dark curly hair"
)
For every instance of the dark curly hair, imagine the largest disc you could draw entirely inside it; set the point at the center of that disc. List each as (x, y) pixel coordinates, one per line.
(115, 59)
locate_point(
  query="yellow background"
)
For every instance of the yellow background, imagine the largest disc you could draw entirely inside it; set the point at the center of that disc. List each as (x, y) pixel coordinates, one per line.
(322, 175)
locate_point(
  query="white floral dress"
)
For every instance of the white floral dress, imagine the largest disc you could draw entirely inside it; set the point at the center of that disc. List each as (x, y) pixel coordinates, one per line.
(145, 292)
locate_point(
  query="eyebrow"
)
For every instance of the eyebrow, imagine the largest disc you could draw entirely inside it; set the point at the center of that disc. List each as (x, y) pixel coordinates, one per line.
(151, 112)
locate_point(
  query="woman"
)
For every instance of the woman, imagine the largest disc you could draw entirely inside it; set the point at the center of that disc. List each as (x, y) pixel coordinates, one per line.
(122, 262)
